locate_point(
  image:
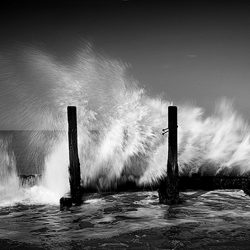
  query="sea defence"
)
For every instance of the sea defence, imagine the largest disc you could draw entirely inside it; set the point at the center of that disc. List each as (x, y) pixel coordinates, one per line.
(168, 186)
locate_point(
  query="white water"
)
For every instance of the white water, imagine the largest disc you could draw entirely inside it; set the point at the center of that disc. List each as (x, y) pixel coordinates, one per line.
(119, 126)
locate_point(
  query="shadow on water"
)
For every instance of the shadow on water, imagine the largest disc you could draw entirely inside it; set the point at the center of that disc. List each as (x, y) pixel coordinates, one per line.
(131, 220)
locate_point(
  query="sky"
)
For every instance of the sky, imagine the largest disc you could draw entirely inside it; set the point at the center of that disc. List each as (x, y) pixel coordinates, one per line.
(196, 52)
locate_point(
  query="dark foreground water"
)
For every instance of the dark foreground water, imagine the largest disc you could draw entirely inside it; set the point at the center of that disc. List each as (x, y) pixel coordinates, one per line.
(204, 220)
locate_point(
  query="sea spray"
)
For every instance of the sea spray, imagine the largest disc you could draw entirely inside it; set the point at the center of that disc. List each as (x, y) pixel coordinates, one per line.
(119, 125)
(9, 182)
(12, 189)
(56, 177)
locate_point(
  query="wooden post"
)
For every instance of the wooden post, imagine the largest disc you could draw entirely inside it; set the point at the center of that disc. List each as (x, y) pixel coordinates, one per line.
(168, 186)
(74, 164)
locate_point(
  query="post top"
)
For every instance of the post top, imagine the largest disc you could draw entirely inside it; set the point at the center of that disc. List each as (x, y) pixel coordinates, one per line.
(172, 107)
(71, 107)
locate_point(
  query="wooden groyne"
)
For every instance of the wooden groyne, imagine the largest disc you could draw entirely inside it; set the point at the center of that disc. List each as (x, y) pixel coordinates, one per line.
(168, 185)
(186, 183)
(196, 182)
(74, 164)
(75, 196)
(29, 180)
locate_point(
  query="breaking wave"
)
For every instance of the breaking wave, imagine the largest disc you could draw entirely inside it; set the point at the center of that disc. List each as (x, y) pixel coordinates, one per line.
(119, 125)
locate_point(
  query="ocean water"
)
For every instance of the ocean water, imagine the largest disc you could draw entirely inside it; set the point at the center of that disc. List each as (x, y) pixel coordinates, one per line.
(217, 219)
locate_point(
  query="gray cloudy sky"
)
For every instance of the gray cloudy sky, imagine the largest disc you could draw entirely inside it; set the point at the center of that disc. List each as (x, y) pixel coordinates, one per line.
(197, 52)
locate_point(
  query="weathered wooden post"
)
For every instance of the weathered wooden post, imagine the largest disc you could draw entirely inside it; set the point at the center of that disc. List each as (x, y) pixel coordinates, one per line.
(74, 164)
(168, 186)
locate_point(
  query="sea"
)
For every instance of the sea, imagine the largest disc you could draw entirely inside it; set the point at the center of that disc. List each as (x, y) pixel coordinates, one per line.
(218, 219)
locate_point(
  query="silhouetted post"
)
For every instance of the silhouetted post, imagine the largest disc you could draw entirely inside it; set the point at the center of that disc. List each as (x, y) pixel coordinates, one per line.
(168, 186)
(74, 164)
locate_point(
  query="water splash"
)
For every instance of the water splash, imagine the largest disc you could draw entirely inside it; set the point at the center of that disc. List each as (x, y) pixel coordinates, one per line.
(9, 182)
(55, 177)
(119, 125)
(12, 191)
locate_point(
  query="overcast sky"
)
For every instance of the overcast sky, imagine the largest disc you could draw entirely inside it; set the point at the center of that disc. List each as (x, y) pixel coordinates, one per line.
(196, 52)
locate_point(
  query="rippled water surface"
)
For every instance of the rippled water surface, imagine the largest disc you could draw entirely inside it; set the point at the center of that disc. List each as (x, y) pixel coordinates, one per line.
(132, 220)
